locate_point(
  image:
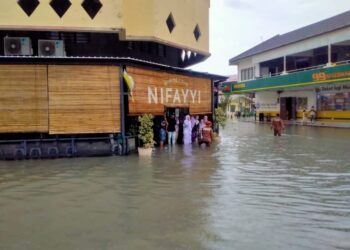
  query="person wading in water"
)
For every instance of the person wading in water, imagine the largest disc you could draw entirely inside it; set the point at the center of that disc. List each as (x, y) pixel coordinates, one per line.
(277, 125)
(207, 134)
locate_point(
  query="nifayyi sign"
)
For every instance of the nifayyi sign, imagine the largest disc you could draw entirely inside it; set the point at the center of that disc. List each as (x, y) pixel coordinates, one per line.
(173, 96)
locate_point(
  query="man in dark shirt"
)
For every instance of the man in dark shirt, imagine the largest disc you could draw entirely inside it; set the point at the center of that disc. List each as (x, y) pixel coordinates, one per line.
(171, 130)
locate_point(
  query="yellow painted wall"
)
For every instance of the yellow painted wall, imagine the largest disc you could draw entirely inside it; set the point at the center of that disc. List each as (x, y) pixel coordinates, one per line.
(266, 113)
(133, 19)
(333, 115)
(321, 115)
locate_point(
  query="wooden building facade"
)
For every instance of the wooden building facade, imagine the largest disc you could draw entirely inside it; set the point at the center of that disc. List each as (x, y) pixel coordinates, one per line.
(62, 65)
(66, 109)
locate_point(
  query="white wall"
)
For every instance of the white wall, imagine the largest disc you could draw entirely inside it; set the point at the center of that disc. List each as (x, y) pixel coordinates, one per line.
(310, 94)
(307, 44)
(267, 101)
(246, 63)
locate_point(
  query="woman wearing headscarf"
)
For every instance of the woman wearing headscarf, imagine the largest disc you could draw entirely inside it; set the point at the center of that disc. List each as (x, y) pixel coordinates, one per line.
(187, 130)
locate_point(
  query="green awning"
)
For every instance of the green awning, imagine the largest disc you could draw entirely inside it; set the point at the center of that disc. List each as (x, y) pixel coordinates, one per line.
(334, 74)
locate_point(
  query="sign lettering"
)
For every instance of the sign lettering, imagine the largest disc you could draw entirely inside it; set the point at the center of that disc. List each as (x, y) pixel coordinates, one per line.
(172, 96)
(322, 76)
(239, 86)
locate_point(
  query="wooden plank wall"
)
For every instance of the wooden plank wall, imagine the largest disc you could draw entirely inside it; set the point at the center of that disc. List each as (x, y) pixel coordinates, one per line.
(84, 99)
(205, 106)
(139, 102)
(23, 99)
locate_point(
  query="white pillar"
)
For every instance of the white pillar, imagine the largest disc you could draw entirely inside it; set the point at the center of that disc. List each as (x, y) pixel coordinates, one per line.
(284, 65)
(329, 55)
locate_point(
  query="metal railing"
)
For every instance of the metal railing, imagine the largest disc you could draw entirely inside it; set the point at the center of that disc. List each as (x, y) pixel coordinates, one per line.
(299, 70)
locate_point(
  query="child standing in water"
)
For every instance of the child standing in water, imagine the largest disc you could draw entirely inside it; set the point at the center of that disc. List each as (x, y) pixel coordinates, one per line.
(277, 125)
(304, 117)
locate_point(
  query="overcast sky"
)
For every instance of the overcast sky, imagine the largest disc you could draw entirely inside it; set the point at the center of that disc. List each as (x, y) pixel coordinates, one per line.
(238, 25)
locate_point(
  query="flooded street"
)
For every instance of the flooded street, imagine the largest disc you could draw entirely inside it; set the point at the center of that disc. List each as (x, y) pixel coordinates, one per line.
(249, 191)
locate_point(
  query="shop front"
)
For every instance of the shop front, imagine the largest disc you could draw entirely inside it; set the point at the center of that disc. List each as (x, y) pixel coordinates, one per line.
(326, 89)
(163, 93)
(333, 101)
(158, 92)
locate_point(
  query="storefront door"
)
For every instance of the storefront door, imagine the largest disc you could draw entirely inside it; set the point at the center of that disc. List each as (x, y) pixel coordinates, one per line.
(288, 108)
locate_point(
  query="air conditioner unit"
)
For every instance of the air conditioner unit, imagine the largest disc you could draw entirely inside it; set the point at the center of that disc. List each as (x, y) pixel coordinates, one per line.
(17, 46)
(54, 48)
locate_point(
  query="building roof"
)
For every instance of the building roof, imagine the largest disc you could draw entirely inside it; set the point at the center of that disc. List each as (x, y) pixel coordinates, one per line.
(108, 61)
(312, 30)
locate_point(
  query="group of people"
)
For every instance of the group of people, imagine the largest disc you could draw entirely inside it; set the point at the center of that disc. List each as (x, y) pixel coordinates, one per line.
(186, 131)
(277, 124)
(312, 113)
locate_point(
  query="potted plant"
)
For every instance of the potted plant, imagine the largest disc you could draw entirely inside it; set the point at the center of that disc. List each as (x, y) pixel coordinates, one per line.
(219, 119)
(146, 135)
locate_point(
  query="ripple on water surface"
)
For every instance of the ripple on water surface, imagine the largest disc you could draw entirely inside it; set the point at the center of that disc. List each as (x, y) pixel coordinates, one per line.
(250, 190)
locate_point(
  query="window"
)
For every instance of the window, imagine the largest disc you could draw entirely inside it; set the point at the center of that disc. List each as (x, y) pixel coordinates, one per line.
(334, 102)
(161, 50)
(247, 74)
(82, 38)
(302, 103)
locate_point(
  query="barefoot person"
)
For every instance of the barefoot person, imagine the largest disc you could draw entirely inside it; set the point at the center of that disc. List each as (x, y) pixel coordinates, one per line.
(277, 125)
(304, 121)
(162, 132)
(313, 114)
(187, 131)
(207, 134)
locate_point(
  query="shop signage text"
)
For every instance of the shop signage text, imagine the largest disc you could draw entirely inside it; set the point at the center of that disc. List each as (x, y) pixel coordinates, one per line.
(173, 96)
(330, 88)
(323, 76)
(336, 73)
(239, 86)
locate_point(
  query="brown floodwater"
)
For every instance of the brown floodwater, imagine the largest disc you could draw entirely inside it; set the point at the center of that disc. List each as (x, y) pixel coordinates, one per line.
(249, 191)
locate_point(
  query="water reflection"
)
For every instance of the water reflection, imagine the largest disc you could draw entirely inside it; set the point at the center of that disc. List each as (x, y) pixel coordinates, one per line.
(249, 191)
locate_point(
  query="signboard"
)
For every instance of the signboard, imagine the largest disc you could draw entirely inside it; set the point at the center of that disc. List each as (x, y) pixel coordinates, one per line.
(153, 91)
(226, 87)
(333, 74)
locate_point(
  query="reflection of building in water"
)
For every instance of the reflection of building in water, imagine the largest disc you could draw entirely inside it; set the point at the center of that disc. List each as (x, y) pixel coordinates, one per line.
(76, 72)
(288, 78)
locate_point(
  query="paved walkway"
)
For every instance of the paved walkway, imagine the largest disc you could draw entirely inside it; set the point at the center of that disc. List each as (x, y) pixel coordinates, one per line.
(328, 124)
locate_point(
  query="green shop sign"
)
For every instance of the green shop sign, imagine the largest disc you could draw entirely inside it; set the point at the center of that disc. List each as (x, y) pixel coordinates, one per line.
(333, 74)
(226, 87)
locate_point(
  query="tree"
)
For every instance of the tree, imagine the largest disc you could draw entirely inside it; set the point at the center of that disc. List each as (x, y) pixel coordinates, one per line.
(225, 101)
(220, 117)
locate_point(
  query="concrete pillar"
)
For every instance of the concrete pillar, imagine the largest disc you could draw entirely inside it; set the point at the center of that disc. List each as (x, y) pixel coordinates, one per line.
(329, 55)
(284, 65)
